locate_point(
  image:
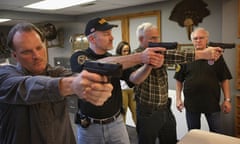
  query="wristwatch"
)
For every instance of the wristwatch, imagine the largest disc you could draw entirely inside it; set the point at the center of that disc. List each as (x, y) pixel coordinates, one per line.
(227, 99)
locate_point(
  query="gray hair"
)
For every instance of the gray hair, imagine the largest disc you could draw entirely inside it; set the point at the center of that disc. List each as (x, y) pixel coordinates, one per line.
(141, 29)
(199, 29)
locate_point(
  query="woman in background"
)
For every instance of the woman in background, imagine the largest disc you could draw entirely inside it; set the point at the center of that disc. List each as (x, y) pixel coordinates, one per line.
(128, 99)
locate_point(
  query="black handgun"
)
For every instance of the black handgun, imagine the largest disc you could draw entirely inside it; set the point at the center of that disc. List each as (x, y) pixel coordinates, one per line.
(106, 69)
(167, 45)
(222, 45)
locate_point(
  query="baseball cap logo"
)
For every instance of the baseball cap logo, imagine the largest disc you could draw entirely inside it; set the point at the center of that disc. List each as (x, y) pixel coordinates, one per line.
(92, 30)
(102, 21)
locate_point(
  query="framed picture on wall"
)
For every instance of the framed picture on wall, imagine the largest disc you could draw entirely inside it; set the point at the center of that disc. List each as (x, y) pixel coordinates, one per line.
(128, 25)
(181, 47)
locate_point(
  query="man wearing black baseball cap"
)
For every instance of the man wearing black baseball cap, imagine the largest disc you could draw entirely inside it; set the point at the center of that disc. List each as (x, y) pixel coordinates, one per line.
(104, 124)
(98, 24)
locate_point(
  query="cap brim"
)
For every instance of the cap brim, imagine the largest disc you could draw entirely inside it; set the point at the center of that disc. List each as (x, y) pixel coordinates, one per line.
(106, 27)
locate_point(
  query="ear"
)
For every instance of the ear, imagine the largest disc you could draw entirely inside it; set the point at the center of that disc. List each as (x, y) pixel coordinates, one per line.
(140, 38)
(91, 38)
(14, 55)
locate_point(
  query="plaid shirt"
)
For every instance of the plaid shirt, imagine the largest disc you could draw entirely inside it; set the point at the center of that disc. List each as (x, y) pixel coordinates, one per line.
(153, 91)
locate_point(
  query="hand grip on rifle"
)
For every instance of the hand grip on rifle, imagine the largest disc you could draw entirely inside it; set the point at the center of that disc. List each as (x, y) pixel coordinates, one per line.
(106, 69)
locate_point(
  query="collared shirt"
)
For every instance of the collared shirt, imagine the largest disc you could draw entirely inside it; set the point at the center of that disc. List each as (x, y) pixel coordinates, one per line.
(32, 111)
(153, 92)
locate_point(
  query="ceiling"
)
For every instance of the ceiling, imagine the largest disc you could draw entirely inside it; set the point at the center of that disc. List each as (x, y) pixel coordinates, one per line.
(11, 8)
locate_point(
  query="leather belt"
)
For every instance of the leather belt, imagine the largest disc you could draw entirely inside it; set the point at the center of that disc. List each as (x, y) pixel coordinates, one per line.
(105, 120)
(149, 108)
(145, 108)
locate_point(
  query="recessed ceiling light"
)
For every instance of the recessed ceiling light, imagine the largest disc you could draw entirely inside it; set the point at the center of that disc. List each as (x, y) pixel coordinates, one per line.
(54, 5)
(4, 20)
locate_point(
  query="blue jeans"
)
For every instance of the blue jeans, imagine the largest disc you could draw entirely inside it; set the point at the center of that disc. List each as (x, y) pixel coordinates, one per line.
(112, 133)
(194, 121)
